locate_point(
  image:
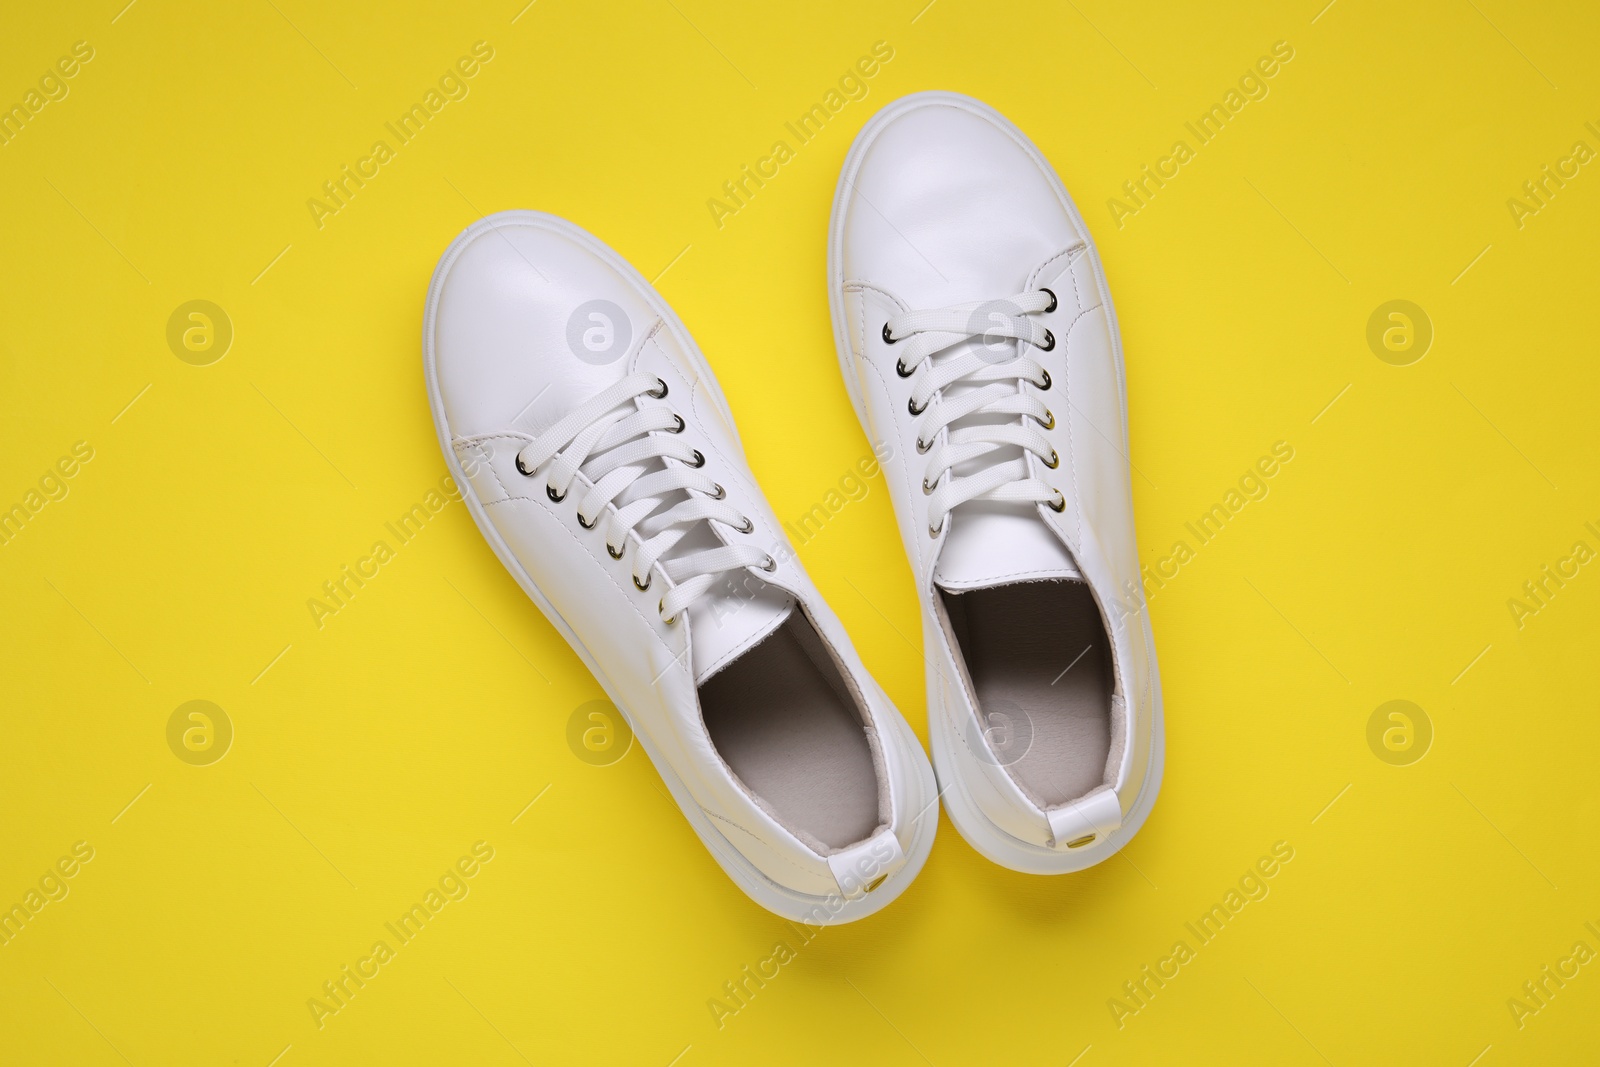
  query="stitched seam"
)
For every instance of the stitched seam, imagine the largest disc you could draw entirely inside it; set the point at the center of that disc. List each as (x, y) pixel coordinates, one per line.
(477, 438)
(775, 853)
(603, 568)
(1039, 272)
(748, 643)
(1024, 574)
(503, 435)
(864, 287)
(894, 420)
(1072, 453)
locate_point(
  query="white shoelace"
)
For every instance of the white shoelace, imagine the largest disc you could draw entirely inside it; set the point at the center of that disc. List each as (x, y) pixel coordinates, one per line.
(633, 461)
(983, 390)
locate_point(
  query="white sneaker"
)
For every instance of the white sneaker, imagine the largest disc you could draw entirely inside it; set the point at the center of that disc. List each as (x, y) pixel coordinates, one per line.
(976, 335)
(596, 452)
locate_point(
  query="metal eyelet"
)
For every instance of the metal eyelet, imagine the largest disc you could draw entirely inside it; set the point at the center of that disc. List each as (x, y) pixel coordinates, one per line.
(587, 525)
(720, 493)
(935, 531)
(550, 491)
(770, 565)
(1054, 461)
(1049, 342)
(668, 619)
(524, 471)
(927, 490)
(1049, 420)
(911, 406)
(900, 369)
(1051, 504)
(922, 449)
(678, 428)
(699, 459)
(663, 383)
(887, 338)
(748, 527)
(1052, 306)
(615, 553)
(1044, 386)
(643, 587)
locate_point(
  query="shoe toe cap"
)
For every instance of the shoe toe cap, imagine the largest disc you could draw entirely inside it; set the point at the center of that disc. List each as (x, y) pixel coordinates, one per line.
(521, 304)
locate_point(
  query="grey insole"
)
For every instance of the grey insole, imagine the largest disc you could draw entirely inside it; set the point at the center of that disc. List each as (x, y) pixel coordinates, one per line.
(785, 723)
(1050, 730)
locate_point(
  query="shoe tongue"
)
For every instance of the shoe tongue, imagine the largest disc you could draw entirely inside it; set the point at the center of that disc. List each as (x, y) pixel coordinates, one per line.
(733, 617)
(992, 544)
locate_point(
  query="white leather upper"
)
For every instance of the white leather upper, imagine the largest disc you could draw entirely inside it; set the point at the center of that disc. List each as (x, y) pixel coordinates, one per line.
(502, 371)
(942, 203)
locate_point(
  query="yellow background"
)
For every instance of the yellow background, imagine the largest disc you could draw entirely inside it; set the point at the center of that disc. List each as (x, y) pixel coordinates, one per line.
(426, 715)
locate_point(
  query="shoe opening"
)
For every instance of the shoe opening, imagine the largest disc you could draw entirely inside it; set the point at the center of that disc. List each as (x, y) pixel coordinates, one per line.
(789, 726)
(1041, 669)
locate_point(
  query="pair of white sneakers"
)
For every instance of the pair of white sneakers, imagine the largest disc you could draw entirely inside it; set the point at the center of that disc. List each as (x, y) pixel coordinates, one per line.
(976, 335)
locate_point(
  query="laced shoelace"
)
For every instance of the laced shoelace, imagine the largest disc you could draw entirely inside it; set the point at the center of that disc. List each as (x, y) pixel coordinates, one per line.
(648, 483)
(985, 394)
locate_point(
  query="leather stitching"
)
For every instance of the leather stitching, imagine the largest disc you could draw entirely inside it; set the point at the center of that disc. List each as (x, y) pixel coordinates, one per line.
(1070, 252)
(607, 571)
(906, 486)
(774, 852)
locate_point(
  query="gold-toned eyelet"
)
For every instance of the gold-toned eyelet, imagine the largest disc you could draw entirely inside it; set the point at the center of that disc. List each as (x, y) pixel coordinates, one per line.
(643, 587)
(526, 472)
(615, 553)
(1081, 841)
(550, 491)
(1052, 306)
(1054, 461)
(888, 338)
(1053, 506)
(1049, 420)
(668, 619)
(663, 390)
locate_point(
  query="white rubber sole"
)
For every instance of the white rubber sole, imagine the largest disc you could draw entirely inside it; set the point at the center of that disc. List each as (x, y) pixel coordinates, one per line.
(830, 909)
(982, 833)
